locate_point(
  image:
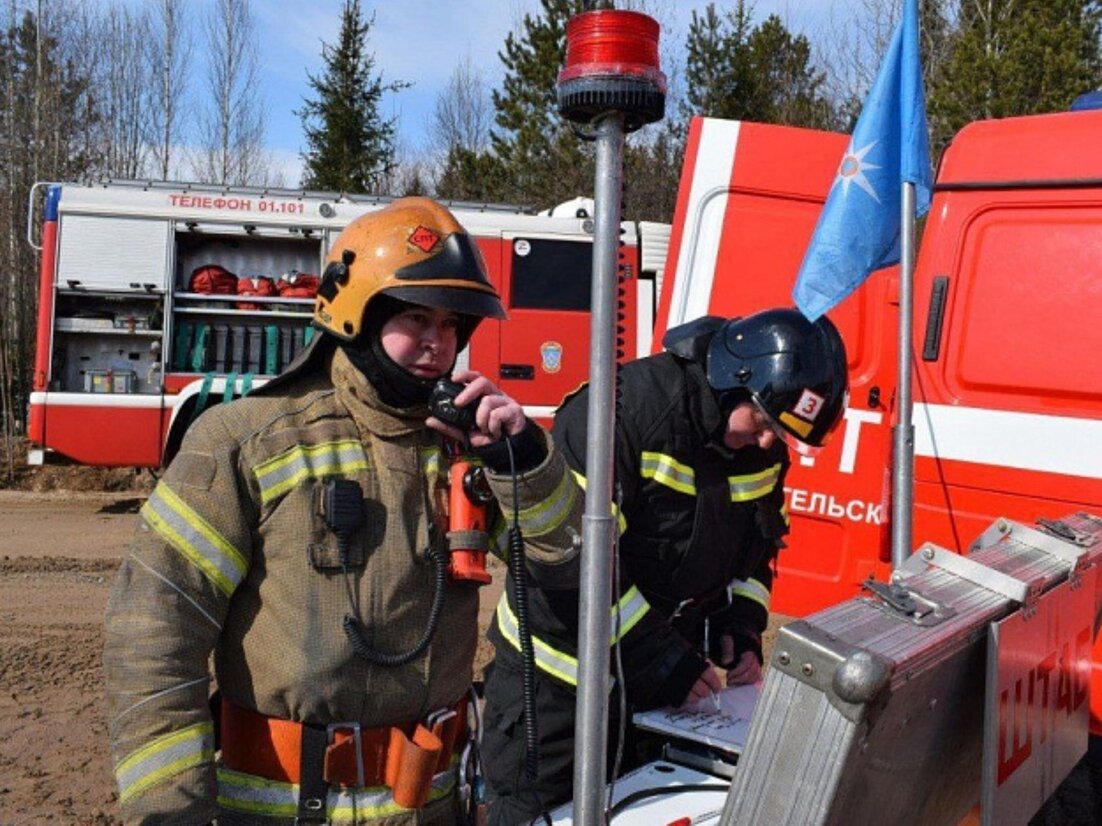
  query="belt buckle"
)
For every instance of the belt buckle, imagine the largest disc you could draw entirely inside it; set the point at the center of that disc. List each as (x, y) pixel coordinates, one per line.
(681, 606)
(357, 742)
(440, 716)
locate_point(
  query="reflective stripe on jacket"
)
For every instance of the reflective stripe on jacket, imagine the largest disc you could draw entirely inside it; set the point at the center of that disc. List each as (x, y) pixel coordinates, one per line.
(698, 523)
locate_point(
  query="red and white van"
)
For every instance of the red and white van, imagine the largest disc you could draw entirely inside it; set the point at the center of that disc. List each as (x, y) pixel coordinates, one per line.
(1007, 383)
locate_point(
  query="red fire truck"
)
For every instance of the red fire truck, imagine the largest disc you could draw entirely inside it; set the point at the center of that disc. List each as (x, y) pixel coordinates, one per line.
(133, 340)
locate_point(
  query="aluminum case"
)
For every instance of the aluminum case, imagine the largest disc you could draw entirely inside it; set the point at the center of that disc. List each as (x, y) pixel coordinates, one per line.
(874, 709)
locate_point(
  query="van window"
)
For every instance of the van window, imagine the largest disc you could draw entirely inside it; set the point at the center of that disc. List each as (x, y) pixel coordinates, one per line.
(551, 275)
(1026, 326)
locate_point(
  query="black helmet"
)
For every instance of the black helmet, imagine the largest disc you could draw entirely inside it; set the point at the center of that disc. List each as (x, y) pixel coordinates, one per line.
(793, 370)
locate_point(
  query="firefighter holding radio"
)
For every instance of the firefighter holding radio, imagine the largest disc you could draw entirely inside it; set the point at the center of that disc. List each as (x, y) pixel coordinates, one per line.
(307, 536)
(702, 438)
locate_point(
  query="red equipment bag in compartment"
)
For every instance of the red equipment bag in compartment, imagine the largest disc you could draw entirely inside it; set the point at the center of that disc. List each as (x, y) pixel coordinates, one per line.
(211, 279)
(295, 284)
(259, 285)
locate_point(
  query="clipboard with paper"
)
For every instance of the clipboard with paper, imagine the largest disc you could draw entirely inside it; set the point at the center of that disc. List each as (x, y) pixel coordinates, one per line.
(723, 728)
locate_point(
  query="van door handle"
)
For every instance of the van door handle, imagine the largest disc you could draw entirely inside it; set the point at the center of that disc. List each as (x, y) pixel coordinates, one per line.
(525, 372)
(931, 345)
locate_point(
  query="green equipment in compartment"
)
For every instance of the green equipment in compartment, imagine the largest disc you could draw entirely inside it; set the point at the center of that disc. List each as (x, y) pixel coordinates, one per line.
(271, 349)
(199, 348)
(181, 349)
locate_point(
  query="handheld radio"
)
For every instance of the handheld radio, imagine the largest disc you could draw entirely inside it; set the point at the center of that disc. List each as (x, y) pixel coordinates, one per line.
(468, 492)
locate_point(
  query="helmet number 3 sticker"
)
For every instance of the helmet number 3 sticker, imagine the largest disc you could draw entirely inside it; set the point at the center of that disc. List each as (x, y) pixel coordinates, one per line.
(809, 405)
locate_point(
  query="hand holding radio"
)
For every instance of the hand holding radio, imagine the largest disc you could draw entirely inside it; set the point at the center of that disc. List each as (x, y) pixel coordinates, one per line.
(471, 406)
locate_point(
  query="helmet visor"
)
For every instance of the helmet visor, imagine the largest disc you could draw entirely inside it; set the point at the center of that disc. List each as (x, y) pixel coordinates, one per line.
(795, 442)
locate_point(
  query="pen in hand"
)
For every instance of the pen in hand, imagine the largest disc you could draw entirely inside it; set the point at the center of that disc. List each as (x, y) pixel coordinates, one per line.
(715, 701)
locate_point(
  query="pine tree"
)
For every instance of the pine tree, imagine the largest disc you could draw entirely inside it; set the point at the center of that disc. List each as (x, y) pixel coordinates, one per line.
(763, 73)
(718, 69)
(789, 89)
(652, 170)
(543, 159)
(350, 144)
(1016, 57)
(537, 158)
(471, 176)
(44, 106)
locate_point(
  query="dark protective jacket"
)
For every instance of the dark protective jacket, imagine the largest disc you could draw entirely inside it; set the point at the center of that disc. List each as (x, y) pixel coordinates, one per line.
(700, 527)
(233, 558)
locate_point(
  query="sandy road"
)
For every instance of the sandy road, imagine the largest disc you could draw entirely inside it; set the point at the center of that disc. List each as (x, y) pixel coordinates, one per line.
(58, 557)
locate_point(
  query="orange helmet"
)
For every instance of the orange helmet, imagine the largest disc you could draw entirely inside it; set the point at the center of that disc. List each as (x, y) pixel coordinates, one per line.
(413, 250)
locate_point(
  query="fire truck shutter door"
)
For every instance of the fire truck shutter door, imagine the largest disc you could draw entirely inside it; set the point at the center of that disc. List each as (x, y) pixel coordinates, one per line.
(111, 253)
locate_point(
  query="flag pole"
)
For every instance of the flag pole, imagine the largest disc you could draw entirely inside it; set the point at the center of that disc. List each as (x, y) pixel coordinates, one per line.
(903, 436)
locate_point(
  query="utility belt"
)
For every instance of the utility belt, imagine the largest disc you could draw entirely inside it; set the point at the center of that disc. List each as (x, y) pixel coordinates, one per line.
(404, 757)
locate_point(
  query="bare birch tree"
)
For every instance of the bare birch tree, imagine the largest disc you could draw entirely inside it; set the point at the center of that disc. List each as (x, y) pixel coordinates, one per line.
(168, 61)
(122, 83)
(462, 114)
(850, 53)
(232, 124)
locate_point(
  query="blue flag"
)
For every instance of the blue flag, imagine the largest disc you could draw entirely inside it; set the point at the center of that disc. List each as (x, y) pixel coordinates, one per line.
(859, 228)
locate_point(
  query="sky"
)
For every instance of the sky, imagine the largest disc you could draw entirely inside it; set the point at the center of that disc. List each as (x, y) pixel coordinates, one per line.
(421, 42)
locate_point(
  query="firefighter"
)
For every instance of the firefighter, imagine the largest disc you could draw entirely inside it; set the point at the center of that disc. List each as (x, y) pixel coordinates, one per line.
(702, 436)
(300, 536)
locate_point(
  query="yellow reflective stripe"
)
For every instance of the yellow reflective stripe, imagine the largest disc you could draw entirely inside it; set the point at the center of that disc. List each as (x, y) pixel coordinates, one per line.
(749, 589)
(625, 615)
(544, 517)
(270, 798)
(668, 471)
(430, 460)
(620, 520)
(164, 757)
(281, 473)
(784, 514)
(631, 608)
(195, 539)
(556, 663)
(754, 485)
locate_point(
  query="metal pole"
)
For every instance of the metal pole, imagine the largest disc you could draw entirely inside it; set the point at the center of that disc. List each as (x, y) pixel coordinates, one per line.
(904, 432)
(598, 524)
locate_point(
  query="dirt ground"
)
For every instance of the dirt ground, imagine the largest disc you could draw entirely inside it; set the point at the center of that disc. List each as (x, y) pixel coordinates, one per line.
(58, 555)
(59, 551)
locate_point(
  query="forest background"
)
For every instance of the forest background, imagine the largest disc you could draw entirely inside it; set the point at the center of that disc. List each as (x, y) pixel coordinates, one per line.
(105, 89)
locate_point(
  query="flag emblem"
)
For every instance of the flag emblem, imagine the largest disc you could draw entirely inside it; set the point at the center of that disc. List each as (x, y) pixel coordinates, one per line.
(860, 227)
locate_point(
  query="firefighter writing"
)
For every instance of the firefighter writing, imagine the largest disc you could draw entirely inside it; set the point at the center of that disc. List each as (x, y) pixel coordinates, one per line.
(1034, 704)
(238, 204)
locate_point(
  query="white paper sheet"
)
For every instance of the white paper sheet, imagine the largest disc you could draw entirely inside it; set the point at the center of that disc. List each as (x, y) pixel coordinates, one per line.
(701, 723)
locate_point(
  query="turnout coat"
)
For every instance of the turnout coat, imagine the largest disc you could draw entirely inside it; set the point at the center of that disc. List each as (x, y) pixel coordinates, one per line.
(233, 559)
(700, 526)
